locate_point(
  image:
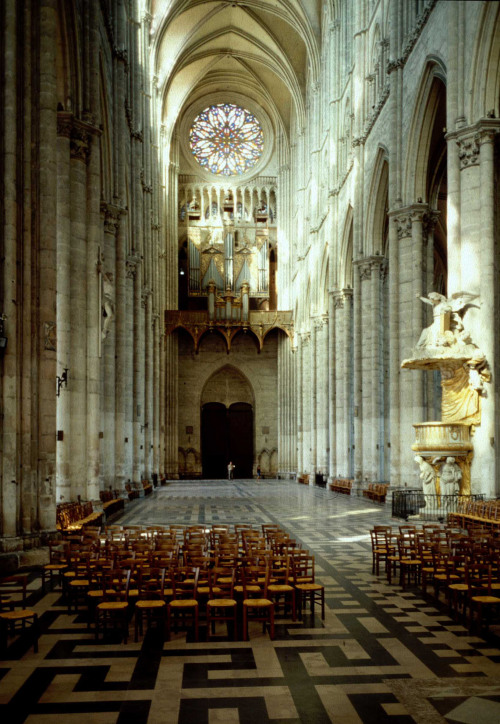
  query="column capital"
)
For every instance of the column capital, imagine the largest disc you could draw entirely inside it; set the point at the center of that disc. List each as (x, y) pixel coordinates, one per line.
(470, 139)
(64, 124)
(341, 297)
(111, 215)
(405, 216)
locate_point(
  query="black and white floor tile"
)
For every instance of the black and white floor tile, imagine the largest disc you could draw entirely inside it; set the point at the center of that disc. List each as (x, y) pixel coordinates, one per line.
(381, 655)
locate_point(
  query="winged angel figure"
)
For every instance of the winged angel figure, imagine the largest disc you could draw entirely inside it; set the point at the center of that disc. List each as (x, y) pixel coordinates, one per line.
(446, 331)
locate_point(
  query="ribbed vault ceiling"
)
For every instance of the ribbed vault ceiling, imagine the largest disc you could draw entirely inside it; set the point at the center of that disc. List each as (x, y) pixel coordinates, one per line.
(264, 49)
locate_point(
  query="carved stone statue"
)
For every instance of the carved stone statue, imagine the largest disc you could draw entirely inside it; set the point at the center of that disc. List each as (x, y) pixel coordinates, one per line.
(428, 478)
(450, 477)
(108, 303)
(447, 328)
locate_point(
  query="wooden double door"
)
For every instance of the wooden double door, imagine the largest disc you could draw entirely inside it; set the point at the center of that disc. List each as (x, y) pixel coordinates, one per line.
(226, 435)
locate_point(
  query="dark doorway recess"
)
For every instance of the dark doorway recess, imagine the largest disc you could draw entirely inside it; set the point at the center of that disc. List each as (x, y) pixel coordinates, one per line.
(226, 434)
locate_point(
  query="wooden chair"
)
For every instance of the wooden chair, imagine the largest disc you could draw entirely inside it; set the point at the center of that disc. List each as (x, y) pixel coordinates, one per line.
(381, 546)
(279, 584)
(478, 579)
(58, 554)
(184, 598)
(409, 562)
(113, 609)
(151, 601)
(256, 604)
(221, 604)
(304, 576)
(14, 616)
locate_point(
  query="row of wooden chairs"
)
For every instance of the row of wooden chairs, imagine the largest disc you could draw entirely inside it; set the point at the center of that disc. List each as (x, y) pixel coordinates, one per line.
(136, 571)
(464, 566)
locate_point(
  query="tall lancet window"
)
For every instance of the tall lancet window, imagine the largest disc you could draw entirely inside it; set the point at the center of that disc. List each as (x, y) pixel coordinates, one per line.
(228, 260)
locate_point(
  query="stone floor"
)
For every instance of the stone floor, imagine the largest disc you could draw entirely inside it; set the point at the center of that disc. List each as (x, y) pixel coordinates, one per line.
(381, 655)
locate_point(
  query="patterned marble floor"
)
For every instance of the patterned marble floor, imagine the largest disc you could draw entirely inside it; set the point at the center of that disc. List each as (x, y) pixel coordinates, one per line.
(381, 655)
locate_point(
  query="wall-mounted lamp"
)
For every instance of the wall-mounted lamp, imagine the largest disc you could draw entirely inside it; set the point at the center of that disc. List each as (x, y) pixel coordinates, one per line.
(3, 338)
(143, 427)
(62, 380)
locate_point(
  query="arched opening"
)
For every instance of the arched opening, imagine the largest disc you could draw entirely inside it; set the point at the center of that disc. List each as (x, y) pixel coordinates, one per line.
(227, 424)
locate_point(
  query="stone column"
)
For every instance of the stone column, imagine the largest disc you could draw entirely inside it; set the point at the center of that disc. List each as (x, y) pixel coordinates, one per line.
(400, 321)
(148, 384)
(300, 404)
(286, 411)
(121, 149)
(77, 375)
(306, 402)
(417, 324)
(332, 369)
(45, 208)
(63, 460)
(313, 393)
(358, 373)
(344, 383)
(488, 442)
(379, 265)
(322, 396)
(366, 336)
(111, 216)
(138, 379)
(94, 316)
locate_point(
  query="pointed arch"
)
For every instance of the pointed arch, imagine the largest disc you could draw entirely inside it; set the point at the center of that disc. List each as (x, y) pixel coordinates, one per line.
(376, 213)
(227, 385)
(346, 252)
(323, 285)
(426, 107)
(69, 72)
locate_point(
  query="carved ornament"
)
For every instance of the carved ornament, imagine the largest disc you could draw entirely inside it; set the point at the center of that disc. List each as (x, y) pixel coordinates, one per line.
(403, 224)
(468, 151)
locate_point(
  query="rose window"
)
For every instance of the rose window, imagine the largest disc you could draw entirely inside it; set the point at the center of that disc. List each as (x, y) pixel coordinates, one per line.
(226, 139)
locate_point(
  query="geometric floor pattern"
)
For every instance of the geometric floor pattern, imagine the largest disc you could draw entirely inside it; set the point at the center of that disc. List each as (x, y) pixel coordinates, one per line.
(381, 655)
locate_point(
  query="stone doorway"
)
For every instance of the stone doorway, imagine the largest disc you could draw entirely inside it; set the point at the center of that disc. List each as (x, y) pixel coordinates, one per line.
(226, 434)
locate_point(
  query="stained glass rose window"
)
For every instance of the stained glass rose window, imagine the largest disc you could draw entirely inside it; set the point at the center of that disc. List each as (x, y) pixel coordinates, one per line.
(226, 139)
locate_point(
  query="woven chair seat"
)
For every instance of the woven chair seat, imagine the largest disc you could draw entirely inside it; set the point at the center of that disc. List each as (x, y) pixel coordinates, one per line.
(17, 615)
(485, 599)
(183, 603)
(257, 602)
(113, 606)
(150, 604)
(279, 588)
(221, 602)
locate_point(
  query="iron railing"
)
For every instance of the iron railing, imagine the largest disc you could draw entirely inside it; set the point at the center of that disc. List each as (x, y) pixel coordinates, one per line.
(413, 503)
